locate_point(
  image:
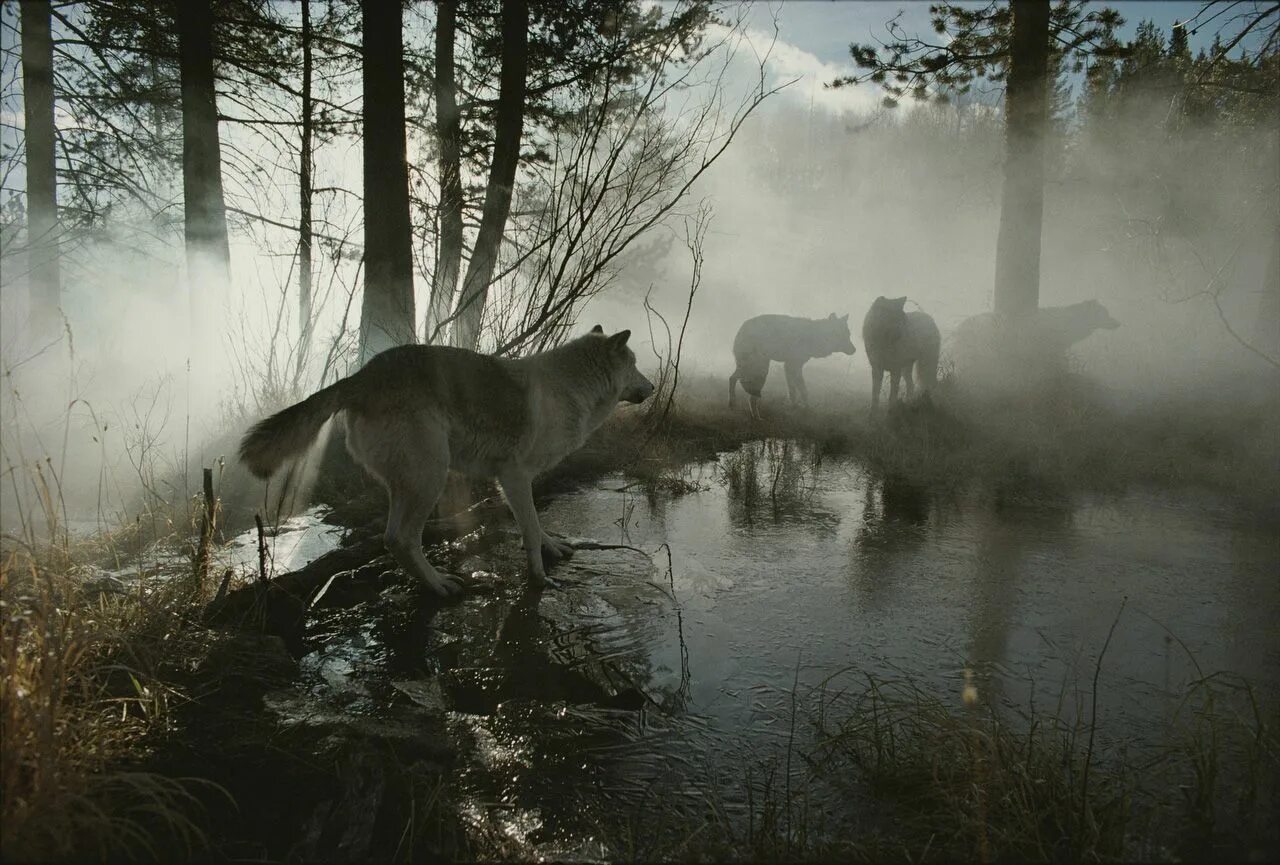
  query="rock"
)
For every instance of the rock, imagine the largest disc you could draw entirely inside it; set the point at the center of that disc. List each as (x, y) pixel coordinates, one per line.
(426, 693)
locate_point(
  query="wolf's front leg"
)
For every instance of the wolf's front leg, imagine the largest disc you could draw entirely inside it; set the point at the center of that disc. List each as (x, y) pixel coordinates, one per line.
(517, 486)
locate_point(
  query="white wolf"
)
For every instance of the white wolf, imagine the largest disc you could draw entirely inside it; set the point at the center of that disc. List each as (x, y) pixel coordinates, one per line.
(766, 338)
(896, 340)
(414, 412)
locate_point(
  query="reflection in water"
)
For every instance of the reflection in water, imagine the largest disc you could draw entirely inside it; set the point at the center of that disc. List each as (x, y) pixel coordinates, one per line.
(1006, 539)
(895, 516)
(776, 480)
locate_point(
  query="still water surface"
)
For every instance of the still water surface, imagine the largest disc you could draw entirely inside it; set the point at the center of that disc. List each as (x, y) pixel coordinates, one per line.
(652, 679)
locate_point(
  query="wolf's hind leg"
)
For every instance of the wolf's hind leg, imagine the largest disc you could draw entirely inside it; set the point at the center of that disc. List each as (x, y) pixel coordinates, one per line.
(518, 489)
(414, 486)
(733, 388)
(907, 382)
(877, 381)
(795, 382)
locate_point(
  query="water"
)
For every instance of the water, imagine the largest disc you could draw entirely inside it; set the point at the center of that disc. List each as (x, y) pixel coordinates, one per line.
(650, 679)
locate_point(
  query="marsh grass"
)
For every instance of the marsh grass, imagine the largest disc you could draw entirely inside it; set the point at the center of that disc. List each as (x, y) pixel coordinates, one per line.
(889, 769)
(779, 473)
(85, 664)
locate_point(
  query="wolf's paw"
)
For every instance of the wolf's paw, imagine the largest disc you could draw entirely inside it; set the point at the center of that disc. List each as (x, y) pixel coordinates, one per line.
(537, 578)
(554, 550)
(444, 585)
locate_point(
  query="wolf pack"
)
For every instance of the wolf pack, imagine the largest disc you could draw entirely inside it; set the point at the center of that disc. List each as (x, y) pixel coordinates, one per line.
(906, 345)
(414, 412)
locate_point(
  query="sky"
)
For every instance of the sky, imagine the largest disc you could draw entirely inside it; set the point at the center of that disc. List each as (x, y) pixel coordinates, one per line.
(814, 37)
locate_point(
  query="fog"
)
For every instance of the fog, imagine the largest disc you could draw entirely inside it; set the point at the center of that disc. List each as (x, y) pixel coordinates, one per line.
(818, 212)
(824, 200)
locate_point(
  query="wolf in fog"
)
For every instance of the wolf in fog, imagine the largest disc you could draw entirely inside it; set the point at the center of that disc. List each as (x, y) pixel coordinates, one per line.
(993, 349)
(413, 412)
(793, 341)
(898, 341)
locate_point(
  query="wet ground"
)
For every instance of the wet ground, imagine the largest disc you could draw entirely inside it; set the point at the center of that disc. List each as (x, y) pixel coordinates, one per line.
(592, 719)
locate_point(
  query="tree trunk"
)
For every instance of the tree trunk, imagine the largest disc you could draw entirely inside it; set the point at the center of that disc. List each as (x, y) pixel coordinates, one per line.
(444, 282)
(1017, 284)
(1267, 327)
(304, 201)
(386, 315)
(509, 123)
(42, 175)
(203, 207)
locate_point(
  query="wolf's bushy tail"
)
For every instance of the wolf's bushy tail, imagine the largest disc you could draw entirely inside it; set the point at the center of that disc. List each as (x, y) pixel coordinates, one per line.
(290, 431)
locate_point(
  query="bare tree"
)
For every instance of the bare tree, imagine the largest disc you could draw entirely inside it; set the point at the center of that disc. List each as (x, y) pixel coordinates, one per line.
(203, 204)
(1017, 284)
(612, 176)
(305, 314)
(502, 173)
(444, 281)
(386, 315)
(41, 166)
(668, 378)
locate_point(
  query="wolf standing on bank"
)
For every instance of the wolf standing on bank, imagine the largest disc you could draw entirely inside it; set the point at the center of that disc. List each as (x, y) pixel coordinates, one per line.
(898, 341)
(766, 338)
(415, 411)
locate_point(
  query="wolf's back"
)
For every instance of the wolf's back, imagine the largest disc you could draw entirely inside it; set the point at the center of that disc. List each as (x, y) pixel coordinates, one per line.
(290, 431)
(771, 335)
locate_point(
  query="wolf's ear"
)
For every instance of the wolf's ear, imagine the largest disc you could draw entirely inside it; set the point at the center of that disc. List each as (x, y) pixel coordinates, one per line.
(900, 302)
(597, 329)
(831, 317)
(619, 339)
(845, 317)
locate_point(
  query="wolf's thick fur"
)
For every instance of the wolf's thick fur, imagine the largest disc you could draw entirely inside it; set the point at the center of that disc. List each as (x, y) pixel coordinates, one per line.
(414, 412)
(793, 341)
(897, 341)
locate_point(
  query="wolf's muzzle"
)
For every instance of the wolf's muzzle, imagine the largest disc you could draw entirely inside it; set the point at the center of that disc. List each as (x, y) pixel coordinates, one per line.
(638, 392)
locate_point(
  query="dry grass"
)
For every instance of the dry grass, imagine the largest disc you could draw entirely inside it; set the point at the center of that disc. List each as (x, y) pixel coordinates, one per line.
(83, 666)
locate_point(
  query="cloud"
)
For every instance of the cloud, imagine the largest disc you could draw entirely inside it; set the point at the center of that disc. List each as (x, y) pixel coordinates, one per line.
(788, 62)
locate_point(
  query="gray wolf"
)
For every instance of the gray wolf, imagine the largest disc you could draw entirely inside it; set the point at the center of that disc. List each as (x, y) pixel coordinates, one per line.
(896, 340)
(413, 412)
(1054, 329)
(793, 341)
(994, 350)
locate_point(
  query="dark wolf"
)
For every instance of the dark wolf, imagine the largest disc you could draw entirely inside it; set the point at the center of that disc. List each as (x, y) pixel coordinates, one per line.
(793, 341)
(898, 341)
(413, 412)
